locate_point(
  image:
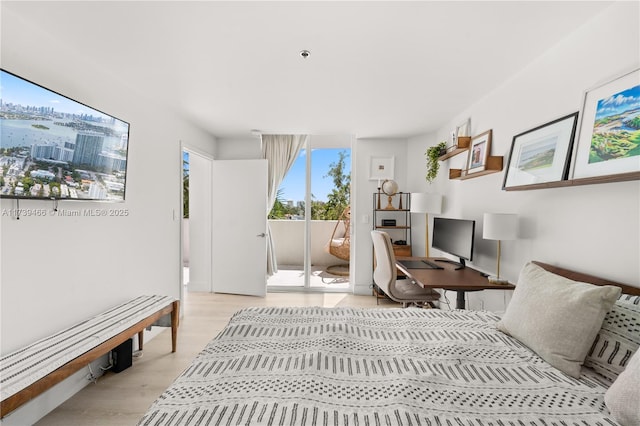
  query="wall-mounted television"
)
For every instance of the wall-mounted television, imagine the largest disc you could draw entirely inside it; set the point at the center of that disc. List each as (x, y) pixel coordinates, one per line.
(53, 147)
(455, 237)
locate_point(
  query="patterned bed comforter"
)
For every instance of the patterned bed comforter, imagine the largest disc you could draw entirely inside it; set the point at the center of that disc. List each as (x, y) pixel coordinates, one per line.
(350, 366)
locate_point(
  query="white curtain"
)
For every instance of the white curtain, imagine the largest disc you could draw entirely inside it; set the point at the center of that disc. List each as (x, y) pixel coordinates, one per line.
(281, 152)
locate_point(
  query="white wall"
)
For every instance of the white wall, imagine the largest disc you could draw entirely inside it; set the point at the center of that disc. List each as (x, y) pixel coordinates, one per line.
(594, 228)
(362, 190)
(238, 148)
(56, 271)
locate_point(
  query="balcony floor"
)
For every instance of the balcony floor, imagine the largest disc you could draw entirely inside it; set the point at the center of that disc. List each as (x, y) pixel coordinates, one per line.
(293, 276)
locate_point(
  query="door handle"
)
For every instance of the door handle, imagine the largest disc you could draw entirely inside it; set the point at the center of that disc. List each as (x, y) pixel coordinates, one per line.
(261, 235)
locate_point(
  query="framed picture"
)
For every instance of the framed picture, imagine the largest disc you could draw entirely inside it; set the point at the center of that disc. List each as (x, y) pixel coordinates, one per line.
(464, 128)
(381, 168)
(541, 154)
(479, 152)
(609, 141)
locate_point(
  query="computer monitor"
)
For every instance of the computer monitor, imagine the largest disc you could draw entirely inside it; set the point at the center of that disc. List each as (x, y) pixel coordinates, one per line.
(455, 237)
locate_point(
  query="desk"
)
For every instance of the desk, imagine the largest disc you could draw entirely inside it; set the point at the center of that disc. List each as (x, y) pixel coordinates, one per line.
(448, 278)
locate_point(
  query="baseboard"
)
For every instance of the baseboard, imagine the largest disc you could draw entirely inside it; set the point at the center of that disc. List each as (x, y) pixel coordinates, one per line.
(43, 404)
(362, 290)
(46, 402)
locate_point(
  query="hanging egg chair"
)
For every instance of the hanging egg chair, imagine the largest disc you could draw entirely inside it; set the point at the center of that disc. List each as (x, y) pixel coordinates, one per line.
(340, 242)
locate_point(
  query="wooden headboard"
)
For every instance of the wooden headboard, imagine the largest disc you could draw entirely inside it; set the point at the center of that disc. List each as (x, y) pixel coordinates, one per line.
(578, 276)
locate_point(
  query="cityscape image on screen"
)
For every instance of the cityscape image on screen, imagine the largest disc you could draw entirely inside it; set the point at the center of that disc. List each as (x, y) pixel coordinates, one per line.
(52, 147)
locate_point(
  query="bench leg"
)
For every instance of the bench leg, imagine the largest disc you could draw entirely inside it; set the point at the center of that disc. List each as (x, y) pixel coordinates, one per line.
(140, 339)
(175, 318)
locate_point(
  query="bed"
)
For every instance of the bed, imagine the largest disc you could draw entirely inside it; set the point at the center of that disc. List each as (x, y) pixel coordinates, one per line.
(382, 366)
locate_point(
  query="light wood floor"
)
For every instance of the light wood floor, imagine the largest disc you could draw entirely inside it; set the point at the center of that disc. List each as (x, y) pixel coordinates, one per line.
(122, 399)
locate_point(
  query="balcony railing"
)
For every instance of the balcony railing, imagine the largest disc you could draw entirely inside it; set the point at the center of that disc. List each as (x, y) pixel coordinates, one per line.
(288, 238)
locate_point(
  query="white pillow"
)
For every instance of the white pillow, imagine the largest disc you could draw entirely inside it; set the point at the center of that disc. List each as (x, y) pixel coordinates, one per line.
(623, 397)
(618, 339)
(556, 317)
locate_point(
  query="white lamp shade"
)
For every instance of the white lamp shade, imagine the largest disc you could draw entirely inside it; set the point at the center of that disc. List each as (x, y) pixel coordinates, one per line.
(422, 202)
(500, 226)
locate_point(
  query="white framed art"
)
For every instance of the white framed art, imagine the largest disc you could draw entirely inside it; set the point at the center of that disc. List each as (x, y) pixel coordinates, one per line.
(609, 138)
(541, 154)
(479, 152)
(464, 128)
(381, 168)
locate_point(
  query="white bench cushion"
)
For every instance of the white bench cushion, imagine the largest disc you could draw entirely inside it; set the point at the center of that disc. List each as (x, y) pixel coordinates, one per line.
(27, 365)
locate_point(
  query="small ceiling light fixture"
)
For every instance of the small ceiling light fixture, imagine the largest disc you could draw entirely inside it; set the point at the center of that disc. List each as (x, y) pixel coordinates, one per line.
(305, 53)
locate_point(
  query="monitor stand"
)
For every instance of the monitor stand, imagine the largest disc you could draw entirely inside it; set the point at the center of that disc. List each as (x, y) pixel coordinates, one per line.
(460, 265)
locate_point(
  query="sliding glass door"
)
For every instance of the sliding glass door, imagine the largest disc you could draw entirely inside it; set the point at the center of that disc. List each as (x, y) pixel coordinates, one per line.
(307, 215)
(287, 222)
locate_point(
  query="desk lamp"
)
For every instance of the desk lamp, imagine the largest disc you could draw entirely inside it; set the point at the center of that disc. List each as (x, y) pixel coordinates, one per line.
(499, 226)
(426, 203)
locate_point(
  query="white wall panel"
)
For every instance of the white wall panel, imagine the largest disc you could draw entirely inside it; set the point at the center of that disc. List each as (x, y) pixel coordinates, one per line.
(59, 270)
(594, 228)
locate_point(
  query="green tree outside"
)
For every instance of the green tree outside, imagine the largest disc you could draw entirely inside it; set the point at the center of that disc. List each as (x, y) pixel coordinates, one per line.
(337, 200)
(340, 195)
(185, 186)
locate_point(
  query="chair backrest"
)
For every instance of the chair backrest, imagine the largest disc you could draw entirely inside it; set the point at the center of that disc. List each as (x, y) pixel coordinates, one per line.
(384, 274)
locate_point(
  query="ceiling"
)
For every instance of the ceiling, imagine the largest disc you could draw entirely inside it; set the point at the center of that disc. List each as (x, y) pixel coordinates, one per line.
(376, 69)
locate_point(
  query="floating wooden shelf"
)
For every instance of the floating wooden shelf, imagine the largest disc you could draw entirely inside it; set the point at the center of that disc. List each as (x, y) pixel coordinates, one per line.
(464, 142)
(494, 165)
(622, 177)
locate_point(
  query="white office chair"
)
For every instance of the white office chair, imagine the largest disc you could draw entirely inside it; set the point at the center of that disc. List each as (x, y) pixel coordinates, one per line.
(384, 275)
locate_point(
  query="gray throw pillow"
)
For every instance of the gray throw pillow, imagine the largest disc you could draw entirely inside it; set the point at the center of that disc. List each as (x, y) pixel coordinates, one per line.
(556, 317)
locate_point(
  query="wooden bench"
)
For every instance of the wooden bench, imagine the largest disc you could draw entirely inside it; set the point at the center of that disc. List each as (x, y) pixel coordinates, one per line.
(28, 372)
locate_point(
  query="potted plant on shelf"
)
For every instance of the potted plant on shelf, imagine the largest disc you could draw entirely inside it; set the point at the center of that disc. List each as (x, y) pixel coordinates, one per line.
(433, 166)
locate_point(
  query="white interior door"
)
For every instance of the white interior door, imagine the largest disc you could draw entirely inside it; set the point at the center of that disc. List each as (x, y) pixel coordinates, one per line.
(200, 193)
(239, 227)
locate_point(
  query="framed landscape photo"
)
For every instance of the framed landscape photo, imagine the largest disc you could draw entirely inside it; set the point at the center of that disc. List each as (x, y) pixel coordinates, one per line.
(609, 141)
(541, 154)
(479, 152)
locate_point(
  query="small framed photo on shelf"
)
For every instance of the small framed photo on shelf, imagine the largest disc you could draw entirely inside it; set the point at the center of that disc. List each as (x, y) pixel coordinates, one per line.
(609, 141)
(464, 128)
(479, 152)
(381, 168)
(541, 154)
